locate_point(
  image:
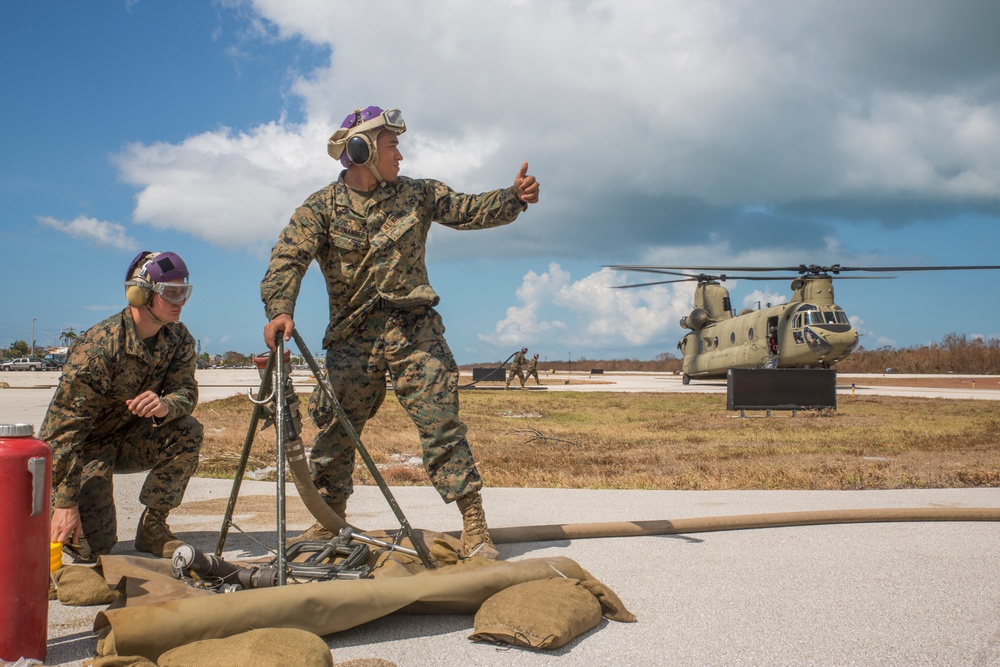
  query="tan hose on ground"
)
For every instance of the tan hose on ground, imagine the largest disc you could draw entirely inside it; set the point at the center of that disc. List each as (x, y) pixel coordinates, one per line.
(572, 531)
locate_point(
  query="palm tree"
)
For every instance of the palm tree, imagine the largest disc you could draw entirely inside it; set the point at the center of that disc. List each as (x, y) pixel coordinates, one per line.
(68, 337)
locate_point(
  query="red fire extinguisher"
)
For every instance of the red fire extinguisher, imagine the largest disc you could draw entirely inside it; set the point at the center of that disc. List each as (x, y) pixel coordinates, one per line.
(25, 481)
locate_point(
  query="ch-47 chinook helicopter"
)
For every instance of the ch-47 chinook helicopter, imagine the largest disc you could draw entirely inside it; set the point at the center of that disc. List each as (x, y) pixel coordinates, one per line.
(808, 331)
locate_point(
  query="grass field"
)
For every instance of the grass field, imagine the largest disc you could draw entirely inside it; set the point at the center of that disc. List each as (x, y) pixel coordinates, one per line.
(667, 441)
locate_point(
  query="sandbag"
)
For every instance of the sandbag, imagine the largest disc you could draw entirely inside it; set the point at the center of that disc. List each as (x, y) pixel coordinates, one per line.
(119, 661)
(545, 614)
(611, 605)
(266, 647)
(320, 607)
(81, 586)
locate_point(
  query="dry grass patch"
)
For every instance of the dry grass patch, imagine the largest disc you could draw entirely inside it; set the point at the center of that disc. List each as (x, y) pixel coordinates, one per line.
(668, 441)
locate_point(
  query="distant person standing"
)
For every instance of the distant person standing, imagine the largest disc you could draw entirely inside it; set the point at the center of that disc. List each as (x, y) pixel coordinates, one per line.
(533, 370)
(516, 368)
(367, 231)
(123, 405)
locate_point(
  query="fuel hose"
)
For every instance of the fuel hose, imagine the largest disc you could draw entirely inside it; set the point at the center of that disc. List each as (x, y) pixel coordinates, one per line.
(570, 531)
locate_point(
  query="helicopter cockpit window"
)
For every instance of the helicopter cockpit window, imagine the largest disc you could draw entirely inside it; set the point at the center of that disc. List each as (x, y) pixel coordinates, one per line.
(814, 317)
(830, 317)
(840, 315)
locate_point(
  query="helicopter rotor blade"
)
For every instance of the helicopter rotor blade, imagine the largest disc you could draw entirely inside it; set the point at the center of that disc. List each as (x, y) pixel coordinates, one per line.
(664, 269)
(918, 268)
(802, 269)
(658, 282)
(705, 278)
(651, 269)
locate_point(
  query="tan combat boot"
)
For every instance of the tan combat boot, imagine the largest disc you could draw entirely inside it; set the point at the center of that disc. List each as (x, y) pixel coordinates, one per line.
(153, 535)
(317, 531)
(475, 534)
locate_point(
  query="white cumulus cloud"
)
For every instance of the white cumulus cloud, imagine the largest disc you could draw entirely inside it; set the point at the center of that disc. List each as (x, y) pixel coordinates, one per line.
(590, 311)
(98, 232)
(663, 119)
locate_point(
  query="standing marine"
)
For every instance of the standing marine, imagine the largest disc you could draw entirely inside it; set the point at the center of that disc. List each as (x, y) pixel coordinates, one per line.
(123, 405)
(533, 370)
(367, 231)
(516, 368)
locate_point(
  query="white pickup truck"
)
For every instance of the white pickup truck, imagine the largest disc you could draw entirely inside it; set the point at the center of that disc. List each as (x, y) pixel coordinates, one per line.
(23, 364)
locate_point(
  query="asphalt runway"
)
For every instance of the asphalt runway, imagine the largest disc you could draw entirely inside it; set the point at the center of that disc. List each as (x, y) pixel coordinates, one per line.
(924, 593)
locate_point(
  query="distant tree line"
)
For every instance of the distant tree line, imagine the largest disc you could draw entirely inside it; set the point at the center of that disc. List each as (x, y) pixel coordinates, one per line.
(665, 362)
(957, 353)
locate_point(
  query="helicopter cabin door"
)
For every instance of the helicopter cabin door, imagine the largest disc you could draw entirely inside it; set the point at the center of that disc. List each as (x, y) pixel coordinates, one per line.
(772, 336)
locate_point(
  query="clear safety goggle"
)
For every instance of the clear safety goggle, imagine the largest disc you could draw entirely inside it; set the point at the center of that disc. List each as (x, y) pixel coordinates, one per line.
(174, 292)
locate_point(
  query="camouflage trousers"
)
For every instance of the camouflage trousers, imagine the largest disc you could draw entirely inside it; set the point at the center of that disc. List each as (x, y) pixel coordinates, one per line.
(515, 373)
(169, 452)
(534, 374)
(408, 344)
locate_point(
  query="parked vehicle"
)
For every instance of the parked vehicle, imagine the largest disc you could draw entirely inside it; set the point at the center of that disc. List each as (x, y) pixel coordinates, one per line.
(23, 364)
(52, 364)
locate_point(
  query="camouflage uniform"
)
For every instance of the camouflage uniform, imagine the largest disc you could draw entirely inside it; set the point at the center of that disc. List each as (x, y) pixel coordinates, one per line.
(516, 369)
(93, 434)
(533, 370)
(371, 250)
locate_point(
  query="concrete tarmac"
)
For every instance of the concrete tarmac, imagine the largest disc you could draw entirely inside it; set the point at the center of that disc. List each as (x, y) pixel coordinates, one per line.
(856, 594)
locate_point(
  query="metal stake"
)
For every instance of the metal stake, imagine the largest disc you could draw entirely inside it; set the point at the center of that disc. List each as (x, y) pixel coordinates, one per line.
(279, 429)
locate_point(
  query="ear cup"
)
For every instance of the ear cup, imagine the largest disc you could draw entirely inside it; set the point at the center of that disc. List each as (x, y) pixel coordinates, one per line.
(138, 296)
(359, 149)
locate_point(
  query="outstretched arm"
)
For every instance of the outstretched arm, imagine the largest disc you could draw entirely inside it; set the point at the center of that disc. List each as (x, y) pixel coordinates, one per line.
(482, 211)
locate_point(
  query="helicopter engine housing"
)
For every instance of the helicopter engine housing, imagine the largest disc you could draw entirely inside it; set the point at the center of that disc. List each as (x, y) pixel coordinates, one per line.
(696, 320)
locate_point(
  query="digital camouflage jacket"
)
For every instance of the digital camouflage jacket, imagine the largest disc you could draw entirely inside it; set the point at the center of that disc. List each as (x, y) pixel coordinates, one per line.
(108, 365)
(372, 248)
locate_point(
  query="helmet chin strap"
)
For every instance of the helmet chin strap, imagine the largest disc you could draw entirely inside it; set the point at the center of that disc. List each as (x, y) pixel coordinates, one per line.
(156, 320)
(374, 170)
(373, 158)
(149, 311)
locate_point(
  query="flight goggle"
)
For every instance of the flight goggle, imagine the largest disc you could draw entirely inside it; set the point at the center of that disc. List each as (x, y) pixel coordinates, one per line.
(392, 119)
(175, 293)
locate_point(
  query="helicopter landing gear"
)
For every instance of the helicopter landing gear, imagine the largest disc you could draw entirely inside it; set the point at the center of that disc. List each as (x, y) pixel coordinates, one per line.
(686, 379)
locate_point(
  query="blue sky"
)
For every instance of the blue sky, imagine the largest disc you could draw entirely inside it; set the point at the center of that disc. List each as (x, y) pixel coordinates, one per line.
(708, 133)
